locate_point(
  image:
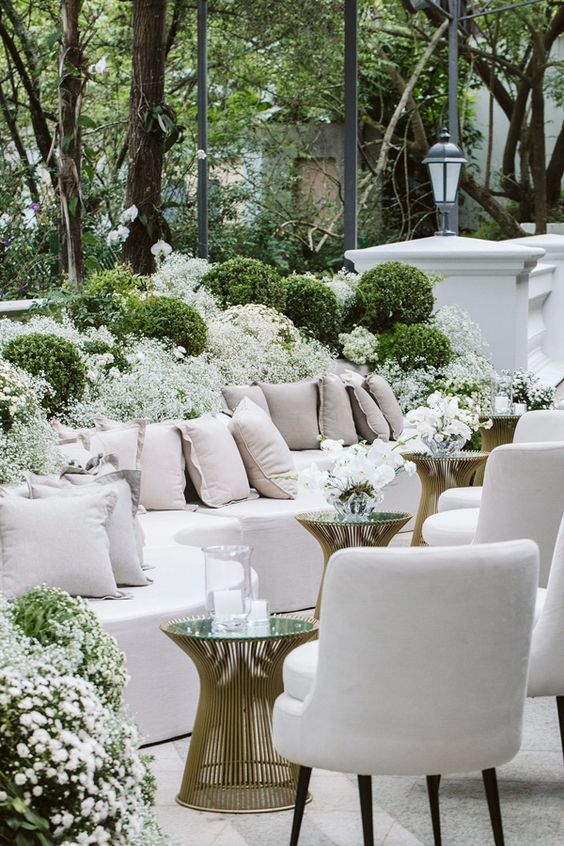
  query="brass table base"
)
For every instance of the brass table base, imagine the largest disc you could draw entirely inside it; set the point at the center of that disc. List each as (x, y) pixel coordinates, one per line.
(232, 766)
(334, 536)
(501, 432)
(438, 474)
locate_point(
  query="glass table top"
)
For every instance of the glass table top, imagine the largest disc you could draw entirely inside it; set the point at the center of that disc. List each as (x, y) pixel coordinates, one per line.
(275, 627)
(331, 517)
(467, 453)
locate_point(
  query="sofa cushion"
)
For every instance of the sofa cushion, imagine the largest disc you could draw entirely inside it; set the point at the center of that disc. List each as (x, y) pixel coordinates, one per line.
(162, 464)
(335, 414)
(304, 458)
(293, 408)
(233, 394)
(213, 461)
(124, 441)
(369, 421)
(163, 528)
(264, 451)
(126, 555)
(60, 541)
(386, 399)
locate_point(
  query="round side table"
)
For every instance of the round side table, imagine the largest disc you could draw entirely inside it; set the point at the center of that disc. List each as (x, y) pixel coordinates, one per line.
(232, 766)
(437, 474)
(500, 432)
(334, 532)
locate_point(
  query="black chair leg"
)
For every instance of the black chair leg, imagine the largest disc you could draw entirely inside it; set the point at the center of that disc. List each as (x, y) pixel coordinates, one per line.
(365, 794)
(301, 796)
(492, 795)
(433, 792)
(560, 708)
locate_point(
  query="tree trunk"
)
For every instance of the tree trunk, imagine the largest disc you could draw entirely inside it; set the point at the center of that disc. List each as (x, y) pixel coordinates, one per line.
(71, 87)
(146, 137)
(500, 214)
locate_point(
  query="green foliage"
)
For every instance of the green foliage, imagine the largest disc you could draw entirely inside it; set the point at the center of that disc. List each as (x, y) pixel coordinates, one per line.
(414, 346)
(312, 305)
(98, 347)
(20, 825)
(394, 293)
(170, 319)
(239, 281)
(104, 300)
(57, 360)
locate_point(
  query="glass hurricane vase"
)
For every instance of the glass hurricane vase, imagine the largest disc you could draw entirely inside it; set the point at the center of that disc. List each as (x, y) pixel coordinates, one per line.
(357, 506)
(450, 445)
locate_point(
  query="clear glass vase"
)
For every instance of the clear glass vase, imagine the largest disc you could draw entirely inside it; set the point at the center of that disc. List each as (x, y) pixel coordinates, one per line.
(447, 447)
(357, 506)
(228, 587)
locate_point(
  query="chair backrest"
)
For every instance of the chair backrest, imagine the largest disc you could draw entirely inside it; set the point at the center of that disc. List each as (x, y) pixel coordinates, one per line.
(523, 497)
(423, 658)
(546, 674)
(537, 426)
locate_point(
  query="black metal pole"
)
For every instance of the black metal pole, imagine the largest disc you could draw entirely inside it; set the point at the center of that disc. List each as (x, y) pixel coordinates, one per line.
(351, 124)
(203, 247)
(454, 9)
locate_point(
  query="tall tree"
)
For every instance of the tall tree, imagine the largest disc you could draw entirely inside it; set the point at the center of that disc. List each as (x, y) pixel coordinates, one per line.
(148, 127)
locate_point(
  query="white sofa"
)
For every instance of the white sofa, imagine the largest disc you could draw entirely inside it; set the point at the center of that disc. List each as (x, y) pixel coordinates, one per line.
(163, 692)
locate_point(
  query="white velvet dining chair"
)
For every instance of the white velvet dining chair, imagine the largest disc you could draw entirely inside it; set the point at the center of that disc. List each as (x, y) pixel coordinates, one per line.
(413, 674)
(523, 497)
(532, 427)
(546, 670)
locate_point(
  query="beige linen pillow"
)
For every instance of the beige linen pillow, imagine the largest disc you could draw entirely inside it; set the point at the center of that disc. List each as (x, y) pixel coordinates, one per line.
(293, 409)
(126, 555)
(126, 443)
(60, 541)
(335, 414)
(162, 464)
(369, 421)
(233, 394)
(264, 452)
(213, 461)
(386, 399)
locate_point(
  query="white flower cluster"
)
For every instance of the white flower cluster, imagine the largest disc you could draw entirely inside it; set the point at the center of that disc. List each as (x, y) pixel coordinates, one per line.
(261, 322)
(359, 345)
(66, 755)
(180, 276)
(343, 284)
(366, 468)
(528, 389)
(120, 234)
(445, 418)
(469, 360)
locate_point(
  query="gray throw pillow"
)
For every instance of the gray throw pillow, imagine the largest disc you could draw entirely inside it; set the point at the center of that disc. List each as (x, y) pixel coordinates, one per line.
(293, 408)
(386, 399)
(335, 414)
(233, 394)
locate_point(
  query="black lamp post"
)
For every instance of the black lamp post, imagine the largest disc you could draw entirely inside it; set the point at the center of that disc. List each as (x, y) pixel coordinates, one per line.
(445, 161)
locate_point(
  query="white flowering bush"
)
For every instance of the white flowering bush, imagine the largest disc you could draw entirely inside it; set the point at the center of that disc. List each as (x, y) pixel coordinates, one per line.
(359, 345)
(469, 351)
(180, 276)
(70, 769)
(343, 284)
(527, 388)
(261, 322)
(446, 421)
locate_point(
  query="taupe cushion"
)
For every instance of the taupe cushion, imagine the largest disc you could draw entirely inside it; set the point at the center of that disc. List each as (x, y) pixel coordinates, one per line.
(60, 541)
(125, 442)
(293, 409)
(264, 451)
(335, 413)
(213, 461)
(369, 421)
(233, 394)
(386, 399)
(162, 464)
(125, 553)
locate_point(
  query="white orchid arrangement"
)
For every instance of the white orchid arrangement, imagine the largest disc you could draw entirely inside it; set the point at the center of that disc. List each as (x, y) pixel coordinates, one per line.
(361, 468)
(446, 418)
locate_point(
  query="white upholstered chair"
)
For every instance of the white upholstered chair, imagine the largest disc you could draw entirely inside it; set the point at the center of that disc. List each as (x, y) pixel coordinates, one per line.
(546, 669)
(413, 673)
(533, 427)
(523, 497)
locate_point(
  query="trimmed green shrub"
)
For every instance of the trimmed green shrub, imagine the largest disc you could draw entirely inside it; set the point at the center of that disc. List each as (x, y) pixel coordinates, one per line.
(170, 319)
(57, 360)
(313, 306)
(394, 293)
(414, 346)
(104, 299)
(245, 280)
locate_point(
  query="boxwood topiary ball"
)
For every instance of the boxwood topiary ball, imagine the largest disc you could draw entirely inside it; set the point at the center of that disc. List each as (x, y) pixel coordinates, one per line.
(313, 306)
(239, 281)
(414, 346)
(394, 293)
(170, 319)
(57, 360)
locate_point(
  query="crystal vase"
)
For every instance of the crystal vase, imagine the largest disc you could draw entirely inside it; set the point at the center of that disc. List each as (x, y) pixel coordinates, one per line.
(447, 447)
(357, 506)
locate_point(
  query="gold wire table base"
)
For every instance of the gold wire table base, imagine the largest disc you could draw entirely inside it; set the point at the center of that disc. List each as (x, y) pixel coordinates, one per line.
(232, 766)
(438, 474)
(501, 432)
(332, 536)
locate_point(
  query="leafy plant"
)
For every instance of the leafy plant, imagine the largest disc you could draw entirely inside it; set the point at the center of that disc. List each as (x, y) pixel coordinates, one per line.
(414, 346)
(57, 360)
(239, 281)
(312, 305)
(171, 319)
(103, 300)
(20, 825)
(394, 293)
